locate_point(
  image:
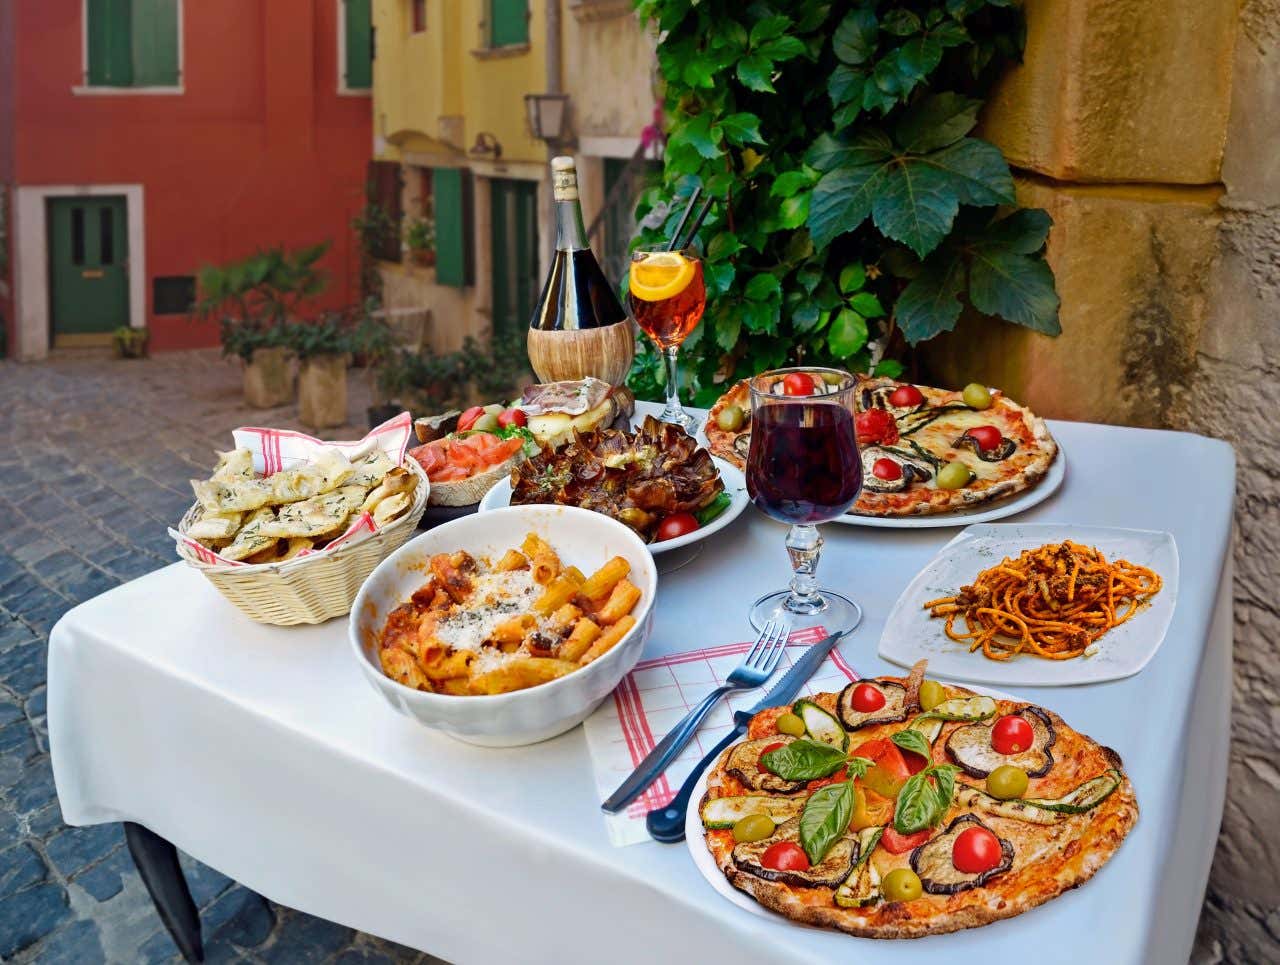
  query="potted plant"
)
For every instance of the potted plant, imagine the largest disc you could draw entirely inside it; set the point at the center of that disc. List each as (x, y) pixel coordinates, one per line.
(424, 383)
(323, 348)
(374, 342)
(252, 299)
(420, 238)
(130, 343)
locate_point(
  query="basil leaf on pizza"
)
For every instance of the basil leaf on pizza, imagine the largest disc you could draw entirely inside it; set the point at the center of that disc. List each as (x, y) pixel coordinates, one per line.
(825, 819)
(857, 766)
(925, 798)
(914, 741)
(803, 760)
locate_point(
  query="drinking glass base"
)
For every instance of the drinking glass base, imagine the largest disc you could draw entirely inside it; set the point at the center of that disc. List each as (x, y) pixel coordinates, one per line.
(830, 610)
(679, 417)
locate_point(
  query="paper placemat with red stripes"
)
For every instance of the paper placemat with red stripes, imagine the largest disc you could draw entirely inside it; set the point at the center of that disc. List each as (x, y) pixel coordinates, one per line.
(657, 694)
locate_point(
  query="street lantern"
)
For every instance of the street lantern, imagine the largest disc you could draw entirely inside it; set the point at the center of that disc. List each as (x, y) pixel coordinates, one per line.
(548, 115)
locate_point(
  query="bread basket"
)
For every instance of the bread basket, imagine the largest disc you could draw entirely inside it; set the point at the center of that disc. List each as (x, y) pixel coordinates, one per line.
(312, 588)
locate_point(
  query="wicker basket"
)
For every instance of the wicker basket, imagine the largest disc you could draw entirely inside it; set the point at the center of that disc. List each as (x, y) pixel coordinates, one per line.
(309, 589)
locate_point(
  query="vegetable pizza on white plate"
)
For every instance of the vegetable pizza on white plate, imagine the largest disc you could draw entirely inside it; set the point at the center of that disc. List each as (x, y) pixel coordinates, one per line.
(901, 807)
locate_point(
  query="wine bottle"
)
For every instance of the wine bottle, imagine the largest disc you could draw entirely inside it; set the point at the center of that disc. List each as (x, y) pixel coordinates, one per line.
(579, 326)
(576, 295)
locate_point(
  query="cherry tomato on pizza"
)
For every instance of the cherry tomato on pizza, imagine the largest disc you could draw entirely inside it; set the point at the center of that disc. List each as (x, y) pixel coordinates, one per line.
(785, 856)
(975, 850)
(469, 417)
(677, 524)
(512, 417)
(866, 699)
(886, 469)
(987, 437)
(876, 426)
(1012, 735)
(905, 396)
(799, 383)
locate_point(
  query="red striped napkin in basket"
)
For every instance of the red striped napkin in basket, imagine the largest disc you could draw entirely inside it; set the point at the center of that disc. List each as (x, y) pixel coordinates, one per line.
(277, 449)
(657, 694)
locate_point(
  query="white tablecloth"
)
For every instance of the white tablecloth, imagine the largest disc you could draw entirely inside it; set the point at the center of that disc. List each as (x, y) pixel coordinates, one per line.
(263, 753)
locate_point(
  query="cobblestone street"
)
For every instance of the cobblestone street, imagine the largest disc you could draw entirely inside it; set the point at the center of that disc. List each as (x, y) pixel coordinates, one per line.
(95, 455)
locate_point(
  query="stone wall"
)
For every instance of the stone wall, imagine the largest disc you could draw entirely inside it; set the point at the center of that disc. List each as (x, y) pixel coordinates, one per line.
(1150, 130)
(1234, 394)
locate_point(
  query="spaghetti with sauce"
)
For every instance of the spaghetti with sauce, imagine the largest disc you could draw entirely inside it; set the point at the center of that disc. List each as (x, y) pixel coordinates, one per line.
(1053, 602)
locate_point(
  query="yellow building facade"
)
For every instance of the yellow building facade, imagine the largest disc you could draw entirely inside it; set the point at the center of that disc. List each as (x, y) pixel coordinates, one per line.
(453, 148)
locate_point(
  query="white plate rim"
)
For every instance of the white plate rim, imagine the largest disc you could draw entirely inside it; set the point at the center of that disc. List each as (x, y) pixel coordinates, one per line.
(706, 864)
(1052, 532)
(735, 484)
(1002, 508)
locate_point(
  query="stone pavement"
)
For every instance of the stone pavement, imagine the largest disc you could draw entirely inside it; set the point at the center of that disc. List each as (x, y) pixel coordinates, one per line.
(94, 458)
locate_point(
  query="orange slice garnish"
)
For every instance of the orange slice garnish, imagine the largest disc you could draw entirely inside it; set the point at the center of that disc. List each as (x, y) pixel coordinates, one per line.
(660, 275)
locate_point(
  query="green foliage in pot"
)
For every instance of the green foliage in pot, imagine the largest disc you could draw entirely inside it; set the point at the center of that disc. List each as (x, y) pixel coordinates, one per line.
(330, 334)
(429, 383)
(254, 297)
(855, 211)
(130, 343)
(420, 235)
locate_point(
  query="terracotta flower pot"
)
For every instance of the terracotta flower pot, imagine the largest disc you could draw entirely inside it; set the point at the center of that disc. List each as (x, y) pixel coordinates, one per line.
(322, 391)
(268, 379)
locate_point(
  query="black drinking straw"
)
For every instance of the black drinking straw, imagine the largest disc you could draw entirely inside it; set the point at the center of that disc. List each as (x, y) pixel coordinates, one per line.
(697, 223)
(684, 218)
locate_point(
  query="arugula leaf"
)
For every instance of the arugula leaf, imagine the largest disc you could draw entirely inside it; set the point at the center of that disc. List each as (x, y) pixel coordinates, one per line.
(804, 760)
(825, 818)
(914, 741)
(531, 445)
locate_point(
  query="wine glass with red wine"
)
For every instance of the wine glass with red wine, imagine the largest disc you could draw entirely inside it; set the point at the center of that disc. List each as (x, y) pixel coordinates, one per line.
(668, 296)
(803, 468)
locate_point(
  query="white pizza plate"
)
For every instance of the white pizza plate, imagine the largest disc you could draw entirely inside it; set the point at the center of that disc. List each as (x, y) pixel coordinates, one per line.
(1000, 509)
(734, 484)
(910, 634)
(696, 841)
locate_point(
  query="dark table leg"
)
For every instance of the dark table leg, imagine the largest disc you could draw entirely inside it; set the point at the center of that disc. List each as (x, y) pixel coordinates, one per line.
(157, 862)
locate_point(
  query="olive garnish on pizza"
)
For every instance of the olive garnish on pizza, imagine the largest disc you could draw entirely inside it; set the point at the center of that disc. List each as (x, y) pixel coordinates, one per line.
(901, 807)
(924, 450)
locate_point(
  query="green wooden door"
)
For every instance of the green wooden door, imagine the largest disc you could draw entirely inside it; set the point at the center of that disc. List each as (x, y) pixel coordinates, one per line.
(515, 254)
(88, 259)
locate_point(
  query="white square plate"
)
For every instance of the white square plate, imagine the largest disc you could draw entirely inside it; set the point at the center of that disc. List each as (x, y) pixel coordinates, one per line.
(910, 634)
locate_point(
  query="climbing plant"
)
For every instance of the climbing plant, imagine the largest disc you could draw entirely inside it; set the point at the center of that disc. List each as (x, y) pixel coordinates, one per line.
(855, 211)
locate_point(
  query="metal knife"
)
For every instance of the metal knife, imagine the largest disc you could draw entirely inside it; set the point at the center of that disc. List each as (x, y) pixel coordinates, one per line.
(666, 824)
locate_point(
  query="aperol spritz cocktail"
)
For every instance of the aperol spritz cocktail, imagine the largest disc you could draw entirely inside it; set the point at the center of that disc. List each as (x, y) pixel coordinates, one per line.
(668, 297)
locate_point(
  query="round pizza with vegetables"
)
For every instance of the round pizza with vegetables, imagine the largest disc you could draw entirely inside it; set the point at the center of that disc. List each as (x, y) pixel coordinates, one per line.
(903, 807)
(924, 450)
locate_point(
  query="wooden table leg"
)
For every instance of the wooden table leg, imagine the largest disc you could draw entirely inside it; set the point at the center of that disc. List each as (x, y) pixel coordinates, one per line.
(157, 862)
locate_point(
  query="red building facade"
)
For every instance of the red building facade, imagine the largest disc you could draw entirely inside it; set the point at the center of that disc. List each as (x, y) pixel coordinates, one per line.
(140, 139)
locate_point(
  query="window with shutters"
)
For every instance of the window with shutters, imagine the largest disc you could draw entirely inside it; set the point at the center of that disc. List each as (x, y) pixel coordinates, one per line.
(508, 23)
(451, 199)
(386, 185)
(133, 44)
(355, 46)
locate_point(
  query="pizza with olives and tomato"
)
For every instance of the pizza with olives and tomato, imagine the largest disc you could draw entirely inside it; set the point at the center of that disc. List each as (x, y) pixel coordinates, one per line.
(924, 450)
(901, 807)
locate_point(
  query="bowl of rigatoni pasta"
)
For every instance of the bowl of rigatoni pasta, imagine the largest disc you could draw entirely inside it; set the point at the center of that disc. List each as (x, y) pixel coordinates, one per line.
(508, 627)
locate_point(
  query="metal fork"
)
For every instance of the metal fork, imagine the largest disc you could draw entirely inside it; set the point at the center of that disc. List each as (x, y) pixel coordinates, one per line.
(755, 669)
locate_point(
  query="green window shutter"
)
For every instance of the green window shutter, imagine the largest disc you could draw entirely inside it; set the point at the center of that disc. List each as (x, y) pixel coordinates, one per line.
(508, 22)
(155, 43)
(358, 55)
(108, 31)
(451, 193)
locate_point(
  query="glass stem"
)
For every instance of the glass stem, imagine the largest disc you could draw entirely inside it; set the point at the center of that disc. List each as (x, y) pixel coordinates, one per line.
(670, 356)
(804, 546)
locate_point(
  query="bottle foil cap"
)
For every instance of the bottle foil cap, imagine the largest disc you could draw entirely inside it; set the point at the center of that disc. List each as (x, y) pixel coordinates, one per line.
(564, 179)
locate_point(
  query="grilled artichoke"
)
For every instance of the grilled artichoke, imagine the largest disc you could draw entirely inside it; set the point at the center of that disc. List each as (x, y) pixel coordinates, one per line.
(637, 478)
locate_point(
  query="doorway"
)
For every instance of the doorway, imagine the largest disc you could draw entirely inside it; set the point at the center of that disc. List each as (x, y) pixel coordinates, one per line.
(514, 215)
(88, 267)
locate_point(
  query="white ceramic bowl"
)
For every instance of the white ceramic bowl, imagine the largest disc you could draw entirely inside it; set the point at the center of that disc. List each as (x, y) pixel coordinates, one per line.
(583, 539)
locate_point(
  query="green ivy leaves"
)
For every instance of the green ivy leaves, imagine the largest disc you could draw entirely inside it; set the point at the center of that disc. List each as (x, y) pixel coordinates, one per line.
(854, 208)
(913, 195)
